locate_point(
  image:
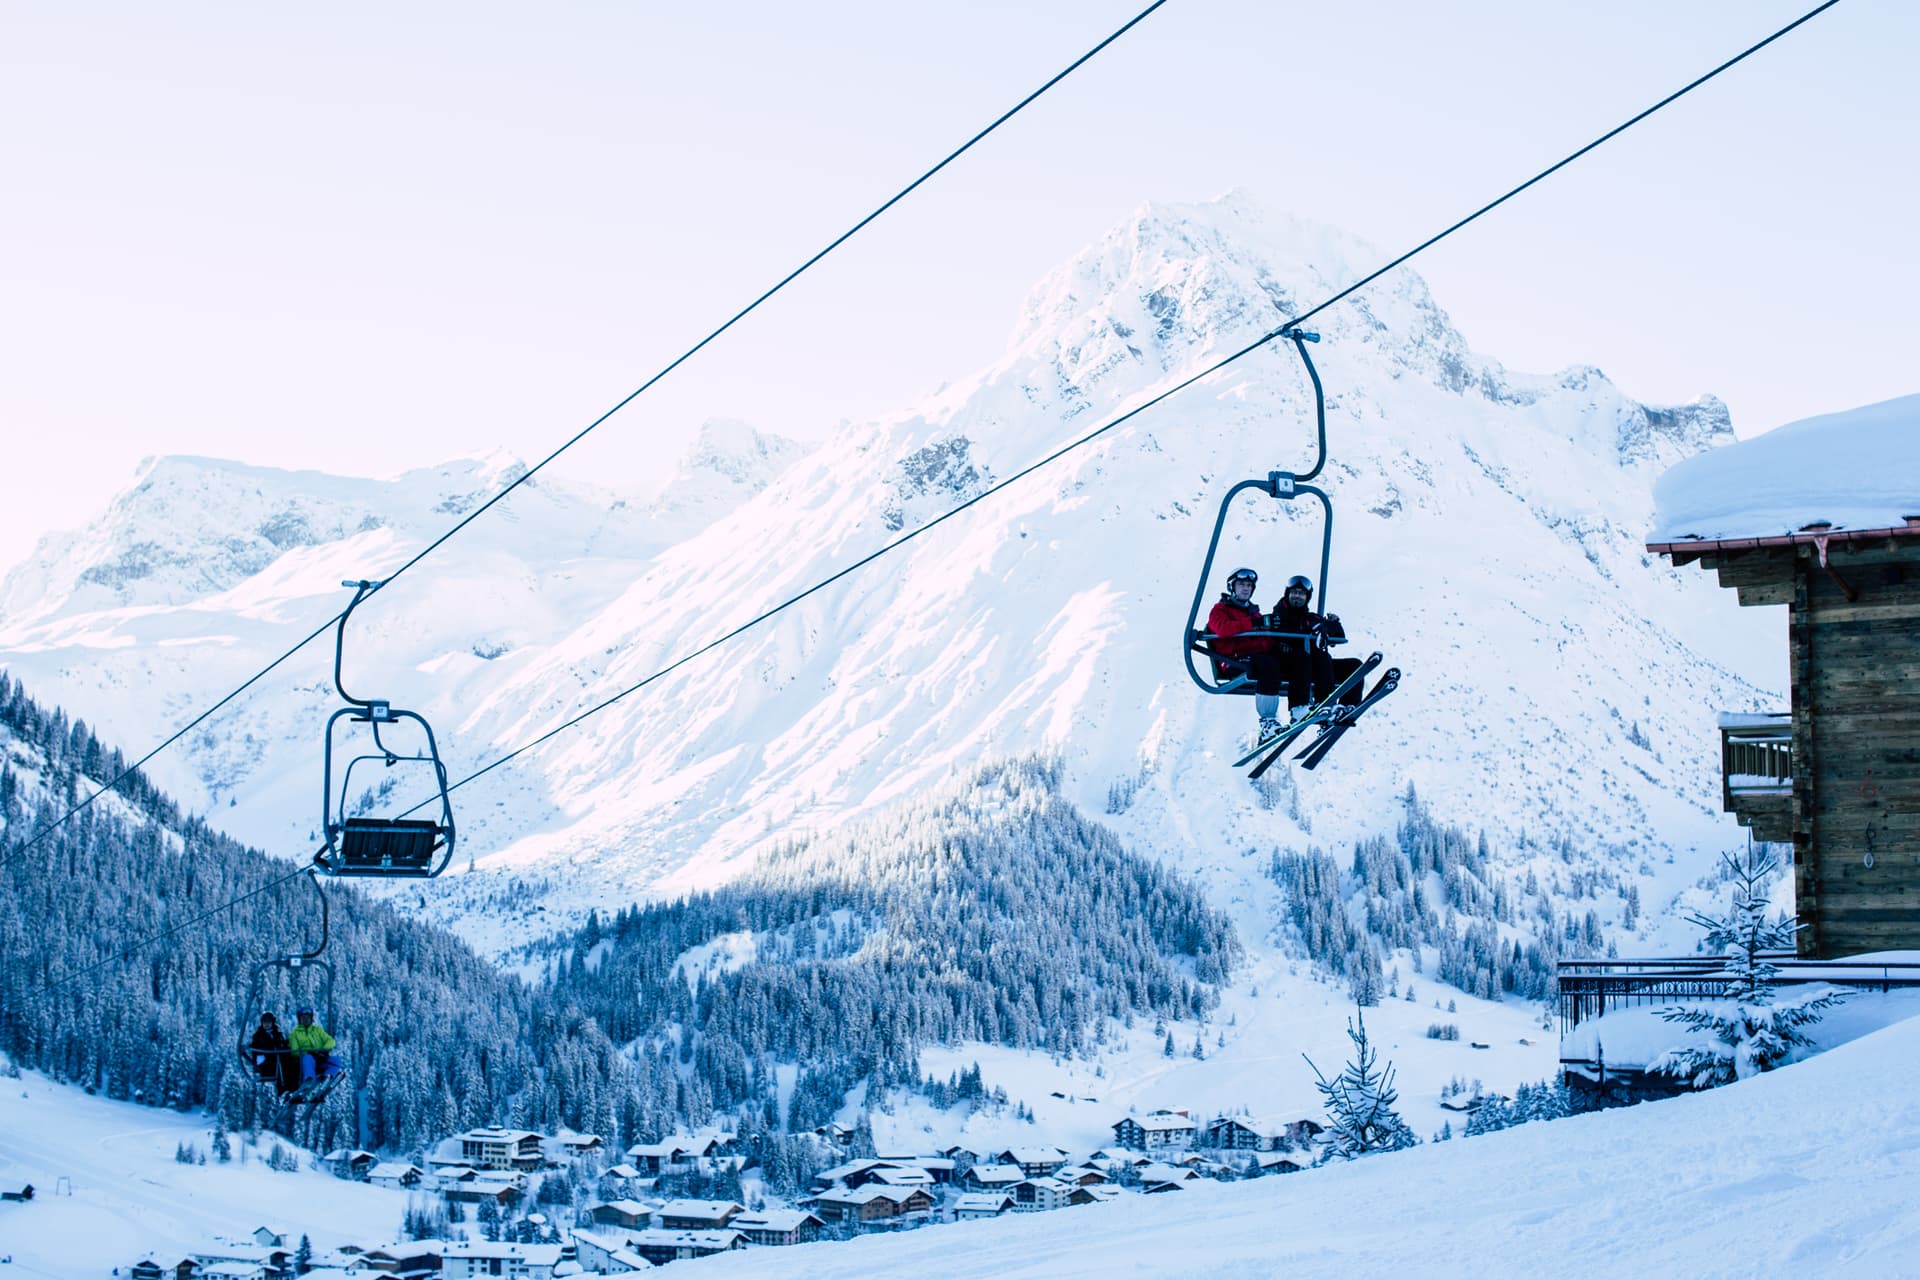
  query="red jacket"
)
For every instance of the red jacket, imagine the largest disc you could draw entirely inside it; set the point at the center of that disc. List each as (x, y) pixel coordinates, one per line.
(1231, 618)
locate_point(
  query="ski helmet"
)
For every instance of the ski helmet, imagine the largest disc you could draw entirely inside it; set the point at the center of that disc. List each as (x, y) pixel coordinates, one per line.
(1240, 573)
(1300, 582)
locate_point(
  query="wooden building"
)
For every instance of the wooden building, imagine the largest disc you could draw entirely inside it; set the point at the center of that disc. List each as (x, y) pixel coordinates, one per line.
(1837, 773)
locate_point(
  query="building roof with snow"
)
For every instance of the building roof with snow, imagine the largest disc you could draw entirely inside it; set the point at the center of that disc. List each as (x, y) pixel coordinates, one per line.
(538, 1255)
(1844, 475)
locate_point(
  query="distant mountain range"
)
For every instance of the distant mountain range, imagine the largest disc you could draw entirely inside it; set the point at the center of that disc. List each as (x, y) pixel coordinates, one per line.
(1559, 683)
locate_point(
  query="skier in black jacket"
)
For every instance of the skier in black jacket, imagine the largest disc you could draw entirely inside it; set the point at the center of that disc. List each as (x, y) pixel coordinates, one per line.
(1311, 672)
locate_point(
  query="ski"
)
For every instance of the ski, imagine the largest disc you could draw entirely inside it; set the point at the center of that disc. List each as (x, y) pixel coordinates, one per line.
(1343, 719)
(1319, 714)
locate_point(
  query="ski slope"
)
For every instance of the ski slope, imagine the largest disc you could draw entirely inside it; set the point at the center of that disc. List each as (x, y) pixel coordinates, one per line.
(1811, 1171)
(130, 1198)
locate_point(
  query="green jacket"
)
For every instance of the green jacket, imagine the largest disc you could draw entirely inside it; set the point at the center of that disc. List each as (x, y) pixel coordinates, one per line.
(310, 1039)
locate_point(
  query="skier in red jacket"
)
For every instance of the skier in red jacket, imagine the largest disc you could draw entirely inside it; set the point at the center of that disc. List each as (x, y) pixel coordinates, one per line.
(1232, 617)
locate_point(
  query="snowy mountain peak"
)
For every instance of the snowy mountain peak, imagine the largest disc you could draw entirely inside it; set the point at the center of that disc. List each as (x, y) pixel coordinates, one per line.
(1175, 279)
(727, 463)
(736, 451)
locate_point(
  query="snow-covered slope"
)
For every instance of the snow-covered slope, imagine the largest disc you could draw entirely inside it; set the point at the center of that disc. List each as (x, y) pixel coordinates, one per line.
(1488, 540)
(107, 1189)
(1808, 1171)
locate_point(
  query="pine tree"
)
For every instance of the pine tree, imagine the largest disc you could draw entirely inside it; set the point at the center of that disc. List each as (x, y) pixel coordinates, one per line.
(1360, 1101)
(303, 1257)
(1755, 1029)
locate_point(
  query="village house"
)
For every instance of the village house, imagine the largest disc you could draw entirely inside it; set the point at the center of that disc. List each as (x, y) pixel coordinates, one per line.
(474, 1189)
(1159, 1177)
(350, 1163)
(412, 1259)
(1040, 1195)
(606, 1254)
(236, 1271)
(981, 1204)
(1035, 1162)
(660, 1246)
(621, 1213)
(404, 1177)
(852, 1174)
(274, 1237)
(265, 1257)
(492, 1147)
(472, 1259)
(1080, 1176)
(1239, 1133)
(150, 1268)
(778, 1226)
(1123, 1156)
(672, 1153)
(838, 1134)
(574, 1145)
(1157, 1131)
(872, 1205)
(990, 1177)
(896, 1175)
(939, 1168)
(697, 1215)
(1276, 1162)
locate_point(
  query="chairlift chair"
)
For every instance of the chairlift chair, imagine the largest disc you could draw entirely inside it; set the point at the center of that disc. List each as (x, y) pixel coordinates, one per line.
(366, 845)
(306, 981)
(1222, 673)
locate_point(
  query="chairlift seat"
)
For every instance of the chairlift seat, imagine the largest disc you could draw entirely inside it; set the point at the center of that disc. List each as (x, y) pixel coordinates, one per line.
(387, 847)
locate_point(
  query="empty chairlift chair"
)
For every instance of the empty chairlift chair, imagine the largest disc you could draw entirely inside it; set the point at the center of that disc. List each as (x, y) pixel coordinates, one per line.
(365, 844)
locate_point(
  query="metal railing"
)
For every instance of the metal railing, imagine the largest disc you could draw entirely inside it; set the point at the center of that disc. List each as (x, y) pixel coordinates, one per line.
(1591, 988)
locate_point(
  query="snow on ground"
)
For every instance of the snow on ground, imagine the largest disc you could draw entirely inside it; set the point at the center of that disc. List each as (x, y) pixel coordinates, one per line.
(129, 1197)
(1635, 1037)
(1811, 1170)
(1854, 470)
(1261, 1068)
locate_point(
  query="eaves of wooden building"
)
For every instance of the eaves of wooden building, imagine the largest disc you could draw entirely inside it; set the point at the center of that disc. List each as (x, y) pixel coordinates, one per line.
(1838, 773)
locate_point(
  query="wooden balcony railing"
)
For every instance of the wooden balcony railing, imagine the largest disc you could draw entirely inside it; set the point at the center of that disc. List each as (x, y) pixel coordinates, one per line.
(1756, 754)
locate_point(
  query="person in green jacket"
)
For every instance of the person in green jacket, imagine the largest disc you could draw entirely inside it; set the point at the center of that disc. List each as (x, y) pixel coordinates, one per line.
(310, 1041)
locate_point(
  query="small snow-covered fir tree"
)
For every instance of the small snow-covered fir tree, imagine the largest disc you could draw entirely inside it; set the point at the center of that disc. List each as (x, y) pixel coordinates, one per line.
(1755, 1029)
(1360, 1114)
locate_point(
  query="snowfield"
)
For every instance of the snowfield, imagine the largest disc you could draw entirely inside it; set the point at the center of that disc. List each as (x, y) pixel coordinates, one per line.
(1813, 1170)
(130, 1198)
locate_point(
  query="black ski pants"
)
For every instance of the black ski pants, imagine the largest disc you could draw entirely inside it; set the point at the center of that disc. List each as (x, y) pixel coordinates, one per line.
(1311, 676)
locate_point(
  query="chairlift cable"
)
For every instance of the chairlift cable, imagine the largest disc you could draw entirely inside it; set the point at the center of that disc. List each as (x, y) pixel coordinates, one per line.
(681, 359)
(1057, 454)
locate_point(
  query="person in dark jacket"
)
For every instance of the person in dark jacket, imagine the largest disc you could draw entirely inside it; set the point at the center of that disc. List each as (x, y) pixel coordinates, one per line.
(271, 1061)
(1310, 671)
(1232, 617)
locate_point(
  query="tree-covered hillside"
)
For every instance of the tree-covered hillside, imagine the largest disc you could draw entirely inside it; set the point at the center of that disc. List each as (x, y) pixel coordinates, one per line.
(991, 911)
(434, 1037)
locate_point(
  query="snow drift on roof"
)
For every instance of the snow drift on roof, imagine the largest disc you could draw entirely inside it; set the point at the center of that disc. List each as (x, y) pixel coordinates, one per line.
(1854, 470)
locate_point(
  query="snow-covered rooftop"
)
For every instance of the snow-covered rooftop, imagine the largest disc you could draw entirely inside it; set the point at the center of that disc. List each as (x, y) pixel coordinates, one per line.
(1856, 470)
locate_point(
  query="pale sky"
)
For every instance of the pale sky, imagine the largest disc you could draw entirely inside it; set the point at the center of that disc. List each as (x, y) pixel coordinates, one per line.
(365, 237)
